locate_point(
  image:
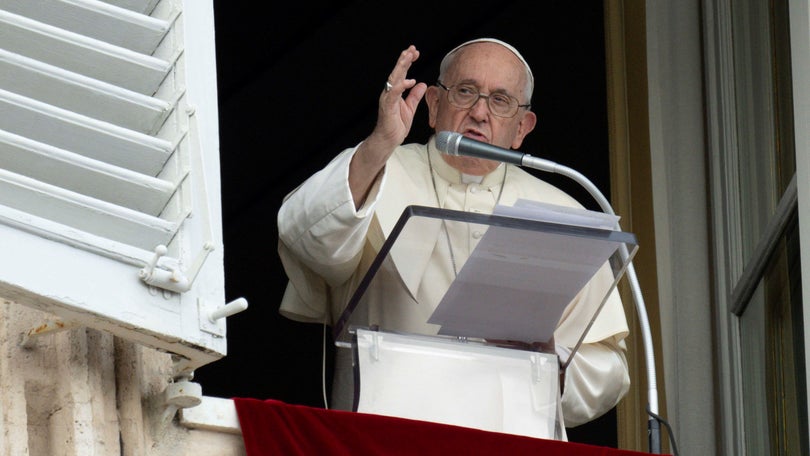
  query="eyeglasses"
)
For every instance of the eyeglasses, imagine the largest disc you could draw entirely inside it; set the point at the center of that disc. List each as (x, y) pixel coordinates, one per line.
(465, 96)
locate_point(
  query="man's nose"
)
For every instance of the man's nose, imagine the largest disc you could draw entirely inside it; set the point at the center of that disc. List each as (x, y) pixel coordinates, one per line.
(480, 107)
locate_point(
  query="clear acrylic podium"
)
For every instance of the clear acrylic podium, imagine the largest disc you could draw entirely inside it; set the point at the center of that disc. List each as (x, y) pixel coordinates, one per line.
(453, 322)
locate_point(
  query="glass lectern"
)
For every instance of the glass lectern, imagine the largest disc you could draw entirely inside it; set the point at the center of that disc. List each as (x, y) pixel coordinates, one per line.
(453, 322)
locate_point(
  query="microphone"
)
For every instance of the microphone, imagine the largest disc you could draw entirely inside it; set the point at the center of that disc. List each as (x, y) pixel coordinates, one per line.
(453, 143)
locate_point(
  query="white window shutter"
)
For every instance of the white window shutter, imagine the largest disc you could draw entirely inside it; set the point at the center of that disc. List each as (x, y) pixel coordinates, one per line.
(109, 153)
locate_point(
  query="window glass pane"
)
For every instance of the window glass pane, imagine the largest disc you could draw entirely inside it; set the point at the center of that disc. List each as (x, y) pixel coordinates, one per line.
(755, 120)
(772, 362)
(767, 384)
(753, 375)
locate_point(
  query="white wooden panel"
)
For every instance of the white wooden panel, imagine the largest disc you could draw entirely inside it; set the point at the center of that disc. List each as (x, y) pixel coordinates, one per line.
(83, 95)
(58, 233)
(85, 289)
(140, 6)
(84, 213)
(77, 203)
(73, 52)
(82, 135)
(83, 175)
(95, 19)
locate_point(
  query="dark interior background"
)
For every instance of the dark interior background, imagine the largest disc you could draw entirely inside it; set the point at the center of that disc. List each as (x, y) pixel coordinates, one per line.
(299, 84)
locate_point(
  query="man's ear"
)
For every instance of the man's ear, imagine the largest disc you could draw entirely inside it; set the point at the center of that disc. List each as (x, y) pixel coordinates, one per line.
(526, 125)
(432, 100)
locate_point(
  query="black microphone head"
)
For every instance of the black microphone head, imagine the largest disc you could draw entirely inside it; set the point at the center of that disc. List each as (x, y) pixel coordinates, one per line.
(447, 142)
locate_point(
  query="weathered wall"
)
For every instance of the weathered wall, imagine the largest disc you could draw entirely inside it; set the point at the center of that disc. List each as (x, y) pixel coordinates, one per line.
(75, 391)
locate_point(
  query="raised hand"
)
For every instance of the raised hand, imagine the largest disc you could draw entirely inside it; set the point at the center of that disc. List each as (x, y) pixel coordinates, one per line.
(396, 108)
(394, 120)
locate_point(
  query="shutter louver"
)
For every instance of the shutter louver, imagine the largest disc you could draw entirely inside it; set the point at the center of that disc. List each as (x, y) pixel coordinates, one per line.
(81, 136)
(109, 192)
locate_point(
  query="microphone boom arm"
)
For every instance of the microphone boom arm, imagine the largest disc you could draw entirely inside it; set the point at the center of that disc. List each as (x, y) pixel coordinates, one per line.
(653, 425)
(454, 143)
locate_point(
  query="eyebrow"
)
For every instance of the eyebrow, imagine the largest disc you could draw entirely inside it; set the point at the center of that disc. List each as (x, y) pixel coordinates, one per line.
(473, 82)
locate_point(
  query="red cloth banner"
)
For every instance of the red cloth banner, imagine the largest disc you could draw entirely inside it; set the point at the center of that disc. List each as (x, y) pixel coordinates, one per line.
(271, 427)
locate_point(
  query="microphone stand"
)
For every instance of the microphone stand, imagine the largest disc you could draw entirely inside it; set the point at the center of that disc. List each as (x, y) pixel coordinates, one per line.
(653, 426)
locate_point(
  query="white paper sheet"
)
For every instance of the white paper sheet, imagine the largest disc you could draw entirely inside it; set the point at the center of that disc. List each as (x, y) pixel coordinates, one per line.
(517, 283)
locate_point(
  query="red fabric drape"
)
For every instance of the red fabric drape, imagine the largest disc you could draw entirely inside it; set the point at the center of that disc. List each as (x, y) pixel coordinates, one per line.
(270, 427)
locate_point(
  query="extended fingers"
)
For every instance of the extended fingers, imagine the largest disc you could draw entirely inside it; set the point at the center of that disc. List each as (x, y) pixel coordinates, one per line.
(397, 81)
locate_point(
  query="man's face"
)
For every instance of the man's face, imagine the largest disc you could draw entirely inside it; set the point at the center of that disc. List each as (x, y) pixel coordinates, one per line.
(491, 69)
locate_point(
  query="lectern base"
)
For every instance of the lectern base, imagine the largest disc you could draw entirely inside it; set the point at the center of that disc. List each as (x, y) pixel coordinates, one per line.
(461, 383)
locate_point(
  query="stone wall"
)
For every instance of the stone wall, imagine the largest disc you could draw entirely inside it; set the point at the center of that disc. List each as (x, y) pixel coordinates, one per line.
(74, 391)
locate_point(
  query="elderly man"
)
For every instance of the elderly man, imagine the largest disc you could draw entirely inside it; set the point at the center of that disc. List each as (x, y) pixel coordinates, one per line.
(332, 226)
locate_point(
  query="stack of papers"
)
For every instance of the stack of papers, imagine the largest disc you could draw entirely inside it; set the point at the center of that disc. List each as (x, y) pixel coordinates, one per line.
(517, 283)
